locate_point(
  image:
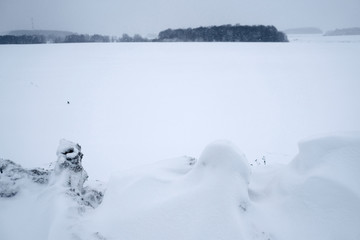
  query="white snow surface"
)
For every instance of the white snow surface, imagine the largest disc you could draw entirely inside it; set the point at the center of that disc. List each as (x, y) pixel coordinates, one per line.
(133, 104)
(129, 105)
(316, 196)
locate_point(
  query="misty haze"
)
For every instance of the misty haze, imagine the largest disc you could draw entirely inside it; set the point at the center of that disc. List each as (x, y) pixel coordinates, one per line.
(179, 120)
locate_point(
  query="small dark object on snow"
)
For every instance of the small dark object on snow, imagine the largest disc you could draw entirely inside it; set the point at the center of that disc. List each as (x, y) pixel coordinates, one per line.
(68, 102)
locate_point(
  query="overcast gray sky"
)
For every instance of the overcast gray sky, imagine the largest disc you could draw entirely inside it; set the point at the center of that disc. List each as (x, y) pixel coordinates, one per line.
(115, 17)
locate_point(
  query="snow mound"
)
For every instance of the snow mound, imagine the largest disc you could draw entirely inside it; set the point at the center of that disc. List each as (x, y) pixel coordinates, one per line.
(224, 156)
(202, 199)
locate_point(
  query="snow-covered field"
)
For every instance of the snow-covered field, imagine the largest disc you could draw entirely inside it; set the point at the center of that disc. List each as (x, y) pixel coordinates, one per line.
(130, 105)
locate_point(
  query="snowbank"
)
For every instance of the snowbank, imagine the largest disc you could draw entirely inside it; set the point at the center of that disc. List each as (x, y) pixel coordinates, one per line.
(316, 196)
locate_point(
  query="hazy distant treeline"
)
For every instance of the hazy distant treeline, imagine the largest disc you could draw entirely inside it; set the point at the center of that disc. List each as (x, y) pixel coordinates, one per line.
(344, 31)
(225, 33)
(81, 38)
(73, 38)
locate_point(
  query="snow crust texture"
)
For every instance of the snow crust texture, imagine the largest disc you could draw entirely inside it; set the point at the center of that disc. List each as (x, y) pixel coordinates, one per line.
(217, 196)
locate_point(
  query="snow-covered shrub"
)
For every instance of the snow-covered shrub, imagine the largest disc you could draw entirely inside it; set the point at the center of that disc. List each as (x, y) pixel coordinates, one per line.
(68, 172)
(13, 176)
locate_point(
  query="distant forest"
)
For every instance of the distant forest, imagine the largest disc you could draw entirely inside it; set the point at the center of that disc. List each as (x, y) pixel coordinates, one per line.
(225, 33)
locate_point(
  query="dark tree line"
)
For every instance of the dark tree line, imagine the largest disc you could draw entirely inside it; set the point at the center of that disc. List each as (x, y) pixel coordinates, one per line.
(225, 33)
(24, 39)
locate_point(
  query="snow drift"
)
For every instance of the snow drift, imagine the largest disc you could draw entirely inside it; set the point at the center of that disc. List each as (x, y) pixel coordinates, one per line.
(317, 195)
(217, 196)
(200, 201)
